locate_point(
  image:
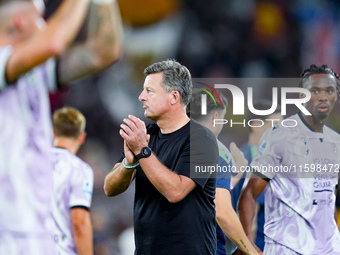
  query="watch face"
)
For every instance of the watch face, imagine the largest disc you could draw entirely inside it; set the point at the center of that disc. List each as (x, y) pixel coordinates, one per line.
(146, 151)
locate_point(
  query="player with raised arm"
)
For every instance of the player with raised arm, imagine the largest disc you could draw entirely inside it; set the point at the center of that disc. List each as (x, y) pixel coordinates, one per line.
(299, 204)
(35, 57)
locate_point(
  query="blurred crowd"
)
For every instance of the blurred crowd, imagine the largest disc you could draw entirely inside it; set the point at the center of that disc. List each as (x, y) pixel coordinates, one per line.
(214, 39)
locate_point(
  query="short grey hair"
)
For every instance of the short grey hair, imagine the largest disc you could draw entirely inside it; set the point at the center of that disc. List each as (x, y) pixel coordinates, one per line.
(175, 77)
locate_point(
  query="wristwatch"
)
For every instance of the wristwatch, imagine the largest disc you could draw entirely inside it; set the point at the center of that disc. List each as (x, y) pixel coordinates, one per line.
(146, 152)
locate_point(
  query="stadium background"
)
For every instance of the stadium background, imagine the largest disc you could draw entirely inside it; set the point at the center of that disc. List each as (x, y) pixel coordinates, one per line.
(248, 38)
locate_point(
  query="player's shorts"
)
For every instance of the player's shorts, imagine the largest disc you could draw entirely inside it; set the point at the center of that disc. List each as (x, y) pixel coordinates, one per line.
(21, 244)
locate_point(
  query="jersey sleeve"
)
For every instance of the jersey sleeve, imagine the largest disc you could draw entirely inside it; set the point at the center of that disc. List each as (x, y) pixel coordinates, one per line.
(5, 52)
(268, 154)
(81, 186)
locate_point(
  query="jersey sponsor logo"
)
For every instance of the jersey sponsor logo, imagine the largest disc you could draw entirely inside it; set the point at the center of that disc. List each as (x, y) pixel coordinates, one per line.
(321, 186)
(323, 201)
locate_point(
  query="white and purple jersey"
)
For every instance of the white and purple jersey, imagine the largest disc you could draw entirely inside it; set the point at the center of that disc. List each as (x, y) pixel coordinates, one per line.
(72, 188)
(25, 142)
(302, 167)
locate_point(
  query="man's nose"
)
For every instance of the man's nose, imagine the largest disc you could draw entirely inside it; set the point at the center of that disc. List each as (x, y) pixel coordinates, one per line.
(141, 96)
(323, 95)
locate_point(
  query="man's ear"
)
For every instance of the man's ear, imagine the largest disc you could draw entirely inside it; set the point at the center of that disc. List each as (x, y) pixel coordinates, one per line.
(302, 95)
(214, 115)
(82, 137)
(175, 97)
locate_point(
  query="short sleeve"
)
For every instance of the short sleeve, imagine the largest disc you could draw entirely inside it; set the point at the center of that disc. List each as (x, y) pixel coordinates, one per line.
(268, 154)
(5, 52)
(81, 186)
(203, 157)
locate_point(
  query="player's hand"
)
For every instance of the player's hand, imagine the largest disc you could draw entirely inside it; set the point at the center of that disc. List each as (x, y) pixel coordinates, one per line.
(133, 131)
(238, 156)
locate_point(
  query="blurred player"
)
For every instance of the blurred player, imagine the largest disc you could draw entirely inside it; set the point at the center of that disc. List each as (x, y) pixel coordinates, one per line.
(28, 70)
(299, 205)
(72, 185)
(228, 222)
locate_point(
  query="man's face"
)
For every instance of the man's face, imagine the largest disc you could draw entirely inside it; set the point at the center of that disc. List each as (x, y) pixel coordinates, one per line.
(323, 90)
(156, 102)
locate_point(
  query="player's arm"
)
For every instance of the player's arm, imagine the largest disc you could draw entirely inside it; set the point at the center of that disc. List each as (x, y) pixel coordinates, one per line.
(59, 32)
(229, 222)
(82, 230)
(101, 48)
(247, 203)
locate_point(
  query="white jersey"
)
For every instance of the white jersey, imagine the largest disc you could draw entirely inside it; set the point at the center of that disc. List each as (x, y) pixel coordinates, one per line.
(299, 197)
(25, 165)
(73, 184)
